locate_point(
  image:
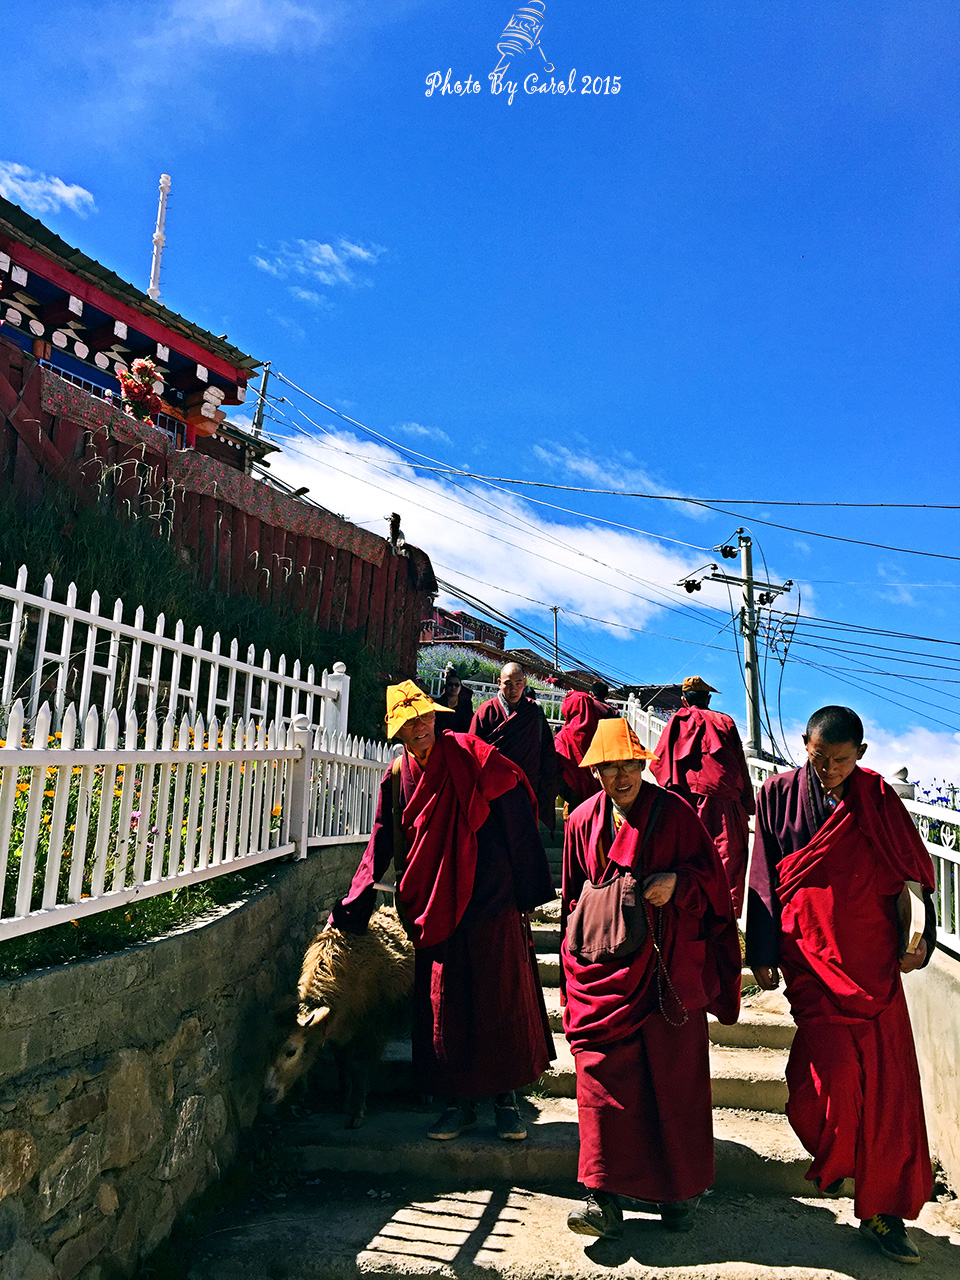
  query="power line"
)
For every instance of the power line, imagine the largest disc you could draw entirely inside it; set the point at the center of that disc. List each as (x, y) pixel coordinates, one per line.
(711, 504)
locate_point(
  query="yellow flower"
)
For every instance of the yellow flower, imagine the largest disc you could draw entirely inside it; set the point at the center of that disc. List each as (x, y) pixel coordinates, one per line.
(275, 811)
(127, 916)
(118, 792)
(46, 819)
(23, 786)
(73, 826)
(58, 735)
(49, 793)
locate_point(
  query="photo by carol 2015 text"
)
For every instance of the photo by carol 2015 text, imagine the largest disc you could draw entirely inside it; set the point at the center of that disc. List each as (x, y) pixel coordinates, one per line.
(574, 85)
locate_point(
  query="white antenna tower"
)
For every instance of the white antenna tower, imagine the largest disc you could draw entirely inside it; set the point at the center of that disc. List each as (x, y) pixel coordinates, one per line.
(159, 239)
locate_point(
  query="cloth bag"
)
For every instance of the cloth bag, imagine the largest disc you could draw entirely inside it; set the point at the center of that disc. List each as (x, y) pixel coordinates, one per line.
(610, 920)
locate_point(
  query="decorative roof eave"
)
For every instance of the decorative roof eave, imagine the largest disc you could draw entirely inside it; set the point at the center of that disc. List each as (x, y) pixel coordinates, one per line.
(22, 229)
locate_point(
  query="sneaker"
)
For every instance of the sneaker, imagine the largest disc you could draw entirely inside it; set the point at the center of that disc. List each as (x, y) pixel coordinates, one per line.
(678, 1216)
(890, 1236)
(832, 1191)
(454, 1121)
(600, 1216)
(510, 1125)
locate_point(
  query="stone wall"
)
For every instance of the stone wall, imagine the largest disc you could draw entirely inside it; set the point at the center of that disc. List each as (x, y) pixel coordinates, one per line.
(125, 1081)
(933, 996)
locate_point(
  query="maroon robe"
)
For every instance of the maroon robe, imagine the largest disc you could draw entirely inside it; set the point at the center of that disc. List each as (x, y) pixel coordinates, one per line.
(643, 1082)
(475, 864)
(823, 891)
(582, 712)
(523, 735)
(462, 716)
(700, 757)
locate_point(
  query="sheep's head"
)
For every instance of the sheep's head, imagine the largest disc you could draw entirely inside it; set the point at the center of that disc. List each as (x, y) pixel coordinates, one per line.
(296, 1055)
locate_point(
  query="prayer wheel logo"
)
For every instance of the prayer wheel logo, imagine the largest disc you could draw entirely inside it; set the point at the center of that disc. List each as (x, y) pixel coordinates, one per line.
(521, 34)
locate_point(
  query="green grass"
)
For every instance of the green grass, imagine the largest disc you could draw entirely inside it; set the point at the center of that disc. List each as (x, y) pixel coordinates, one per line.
(122, 927)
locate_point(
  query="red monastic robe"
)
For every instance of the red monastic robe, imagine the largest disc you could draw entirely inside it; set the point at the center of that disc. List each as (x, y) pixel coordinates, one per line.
(643, 1081)
(581, 713)
(823, 906)
(700, 756)
(474, 865)
(524, 737)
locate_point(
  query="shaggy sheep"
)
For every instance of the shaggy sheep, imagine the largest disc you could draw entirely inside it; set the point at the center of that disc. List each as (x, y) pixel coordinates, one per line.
(355, 993)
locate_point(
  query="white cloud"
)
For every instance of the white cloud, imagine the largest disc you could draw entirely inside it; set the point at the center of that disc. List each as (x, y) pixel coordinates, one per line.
(312, 297)
(427, 433)
(40, 193)
(606, 475)
(474, 532)
(172, 56)
(316, 261)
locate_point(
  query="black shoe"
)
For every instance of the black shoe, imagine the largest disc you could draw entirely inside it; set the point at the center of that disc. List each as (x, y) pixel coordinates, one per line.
(453, 1122)
(833, 1190)
(600, 1216)
(890, 1236)
(510, 1126)
(678, 1216)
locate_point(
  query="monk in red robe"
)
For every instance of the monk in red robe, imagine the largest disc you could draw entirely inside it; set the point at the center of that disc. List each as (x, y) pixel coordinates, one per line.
(457, 820)
(516, 726)
(834, 849)
(637, 1024)
(581, 712)
(700, 757)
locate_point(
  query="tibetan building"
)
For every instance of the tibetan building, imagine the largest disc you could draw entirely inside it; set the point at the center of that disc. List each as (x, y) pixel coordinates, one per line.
(70, 332)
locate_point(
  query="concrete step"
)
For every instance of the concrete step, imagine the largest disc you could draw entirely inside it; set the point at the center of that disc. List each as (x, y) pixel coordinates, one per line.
(548, 962)
(751, 1079)
(546, 936)
(748, 1079)
(754, 1152)
(756, 1029)
(764, 1023)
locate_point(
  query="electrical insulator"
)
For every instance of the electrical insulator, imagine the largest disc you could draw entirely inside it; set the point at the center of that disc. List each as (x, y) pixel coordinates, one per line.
(691, 586)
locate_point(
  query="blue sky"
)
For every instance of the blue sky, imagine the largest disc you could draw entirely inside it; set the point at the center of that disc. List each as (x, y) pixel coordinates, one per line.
(736, 278)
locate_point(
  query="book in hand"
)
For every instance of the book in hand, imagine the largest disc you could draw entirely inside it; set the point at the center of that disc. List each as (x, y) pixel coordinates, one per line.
(912, 914)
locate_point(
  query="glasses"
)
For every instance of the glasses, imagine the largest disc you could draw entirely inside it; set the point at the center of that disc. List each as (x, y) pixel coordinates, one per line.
(627, 766)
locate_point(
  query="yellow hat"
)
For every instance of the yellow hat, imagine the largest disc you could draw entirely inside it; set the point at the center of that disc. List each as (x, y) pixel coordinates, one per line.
(694, 684)
(405, 701)
(614, 740)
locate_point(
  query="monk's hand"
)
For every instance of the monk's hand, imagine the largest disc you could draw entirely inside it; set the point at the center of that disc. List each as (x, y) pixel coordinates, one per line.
(911, 960)
(658, 889)
(767, 979)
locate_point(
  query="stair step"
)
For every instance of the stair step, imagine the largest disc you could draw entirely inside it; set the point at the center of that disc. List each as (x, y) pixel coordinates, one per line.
(548, 962)
(754, 1152)
(546, 936)
(756, 1029)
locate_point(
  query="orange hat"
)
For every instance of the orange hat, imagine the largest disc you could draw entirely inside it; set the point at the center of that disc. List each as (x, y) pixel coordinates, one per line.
(405, 702)
(695, 684)
(614, 740)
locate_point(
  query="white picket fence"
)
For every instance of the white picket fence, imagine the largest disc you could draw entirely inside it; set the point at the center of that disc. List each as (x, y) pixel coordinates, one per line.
(89, 822)
(60, 653)
(133, 761)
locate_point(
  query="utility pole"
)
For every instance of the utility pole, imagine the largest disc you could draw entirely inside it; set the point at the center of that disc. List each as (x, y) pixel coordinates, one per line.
(555, 609)
(748, 628)
(257, 427)
(748, 624)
